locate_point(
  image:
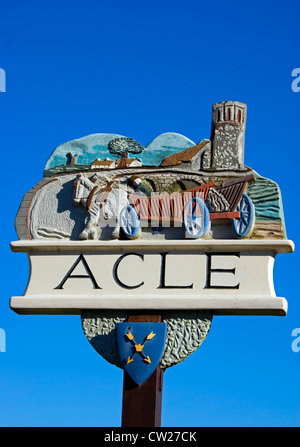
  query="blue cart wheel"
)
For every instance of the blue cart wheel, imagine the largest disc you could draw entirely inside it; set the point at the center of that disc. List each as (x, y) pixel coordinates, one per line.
(196, 218)
(243, 226)
(129, 222)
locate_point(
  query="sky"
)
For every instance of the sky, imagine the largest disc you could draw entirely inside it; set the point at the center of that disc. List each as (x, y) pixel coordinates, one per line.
(140, 69)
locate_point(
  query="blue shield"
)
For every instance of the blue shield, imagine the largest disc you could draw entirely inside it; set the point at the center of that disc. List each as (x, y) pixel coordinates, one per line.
(141, 346)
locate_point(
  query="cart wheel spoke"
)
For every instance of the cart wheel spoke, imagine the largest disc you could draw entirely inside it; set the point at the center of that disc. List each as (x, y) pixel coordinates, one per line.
(198, 225)
(245, 221)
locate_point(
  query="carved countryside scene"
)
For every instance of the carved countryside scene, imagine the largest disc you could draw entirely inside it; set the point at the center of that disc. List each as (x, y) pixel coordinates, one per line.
(129, 191)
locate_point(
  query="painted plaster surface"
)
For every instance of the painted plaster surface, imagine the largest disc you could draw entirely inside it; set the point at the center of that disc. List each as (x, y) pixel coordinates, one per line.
(171, 163)
(186, 332)
(95, 146)
(184, 229)
(48, 211)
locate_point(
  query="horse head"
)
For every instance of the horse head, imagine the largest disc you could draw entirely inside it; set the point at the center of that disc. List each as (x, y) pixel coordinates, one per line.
(82, 188)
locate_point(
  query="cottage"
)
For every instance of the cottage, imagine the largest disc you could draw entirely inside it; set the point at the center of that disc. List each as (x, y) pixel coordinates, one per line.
(126, 162)
(195, 157)
(103, 164)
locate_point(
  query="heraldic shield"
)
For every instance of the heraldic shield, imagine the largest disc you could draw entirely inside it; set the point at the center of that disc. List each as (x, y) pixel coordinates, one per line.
(140, 347)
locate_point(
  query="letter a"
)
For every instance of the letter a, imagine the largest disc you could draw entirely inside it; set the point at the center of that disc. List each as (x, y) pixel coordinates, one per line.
(296, 82)
(87, 269)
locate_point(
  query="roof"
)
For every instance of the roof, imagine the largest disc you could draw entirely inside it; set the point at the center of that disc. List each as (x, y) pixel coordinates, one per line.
(124, 162)
(102, 162)
(184, 156)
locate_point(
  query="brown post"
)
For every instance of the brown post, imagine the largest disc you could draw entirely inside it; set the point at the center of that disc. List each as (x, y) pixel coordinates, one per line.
(142, 403)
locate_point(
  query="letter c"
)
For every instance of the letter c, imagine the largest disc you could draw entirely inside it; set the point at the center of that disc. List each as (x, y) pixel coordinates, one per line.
(149, 436)
(115, 271)
(183, 433)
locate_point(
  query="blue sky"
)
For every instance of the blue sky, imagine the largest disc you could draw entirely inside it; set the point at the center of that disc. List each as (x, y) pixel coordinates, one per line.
(141, 69)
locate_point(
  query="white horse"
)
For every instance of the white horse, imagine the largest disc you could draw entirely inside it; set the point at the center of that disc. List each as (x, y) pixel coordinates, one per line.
(103, 204)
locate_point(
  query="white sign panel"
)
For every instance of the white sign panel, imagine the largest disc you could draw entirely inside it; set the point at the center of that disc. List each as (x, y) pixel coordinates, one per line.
(228, 277)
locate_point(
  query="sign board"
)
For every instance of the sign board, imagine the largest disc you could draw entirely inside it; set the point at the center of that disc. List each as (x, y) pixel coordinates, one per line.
(183, 229)
(174, 225)
(230, 277)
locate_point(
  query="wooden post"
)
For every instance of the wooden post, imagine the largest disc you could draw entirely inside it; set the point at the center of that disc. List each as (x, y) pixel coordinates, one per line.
(142, 403)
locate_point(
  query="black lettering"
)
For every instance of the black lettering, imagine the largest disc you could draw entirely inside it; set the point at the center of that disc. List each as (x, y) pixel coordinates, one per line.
(87, 269)
(209, 271)
(162, 284)
(115, 271)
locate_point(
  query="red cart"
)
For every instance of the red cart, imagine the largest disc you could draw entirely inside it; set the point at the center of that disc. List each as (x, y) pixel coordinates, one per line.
(194, 208)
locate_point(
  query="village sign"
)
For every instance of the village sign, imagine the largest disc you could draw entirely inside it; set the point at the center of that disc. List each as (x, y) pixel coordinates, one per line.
(181, 229)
